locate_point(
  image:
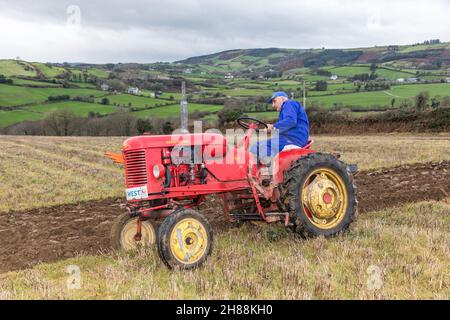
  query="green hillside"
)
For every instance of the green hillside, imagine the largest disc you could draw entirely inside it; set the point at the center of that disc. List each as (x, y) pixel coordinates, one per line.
(16, 68)
(250, 60)
(249, 75)
(20, 95)
(47, 70)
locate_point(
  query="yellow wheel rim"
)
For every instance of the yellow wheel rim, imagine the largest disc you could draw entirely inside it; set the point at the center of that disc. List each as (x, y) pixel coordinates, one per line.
(129, 230)
(188, 241)
(324, 198)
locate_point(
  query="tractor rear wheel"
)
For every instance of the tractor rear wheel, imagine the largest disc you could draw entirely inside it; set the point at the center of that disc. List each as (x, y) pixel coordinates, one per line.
(124, 230)
(319, 193)
(185, 239)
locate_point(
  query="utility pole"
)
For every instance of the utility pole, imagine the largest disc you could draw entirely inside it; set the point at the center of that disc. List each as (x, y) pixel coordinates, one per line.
(184, 111)
(304, 95)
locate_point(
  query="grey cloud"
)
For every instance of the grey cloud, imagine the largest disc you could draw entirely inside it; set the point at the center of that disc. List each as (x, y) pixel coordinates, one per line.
(175, 29)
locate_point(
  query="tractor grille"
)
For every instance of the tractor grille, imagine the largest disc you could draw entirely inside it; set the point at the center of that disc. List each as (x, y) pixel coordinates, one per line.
(135, 166)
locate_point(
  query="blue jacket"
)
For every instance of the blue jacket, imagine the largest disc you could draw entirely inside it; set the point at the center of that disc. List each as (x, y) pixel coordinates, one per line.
(293, 124)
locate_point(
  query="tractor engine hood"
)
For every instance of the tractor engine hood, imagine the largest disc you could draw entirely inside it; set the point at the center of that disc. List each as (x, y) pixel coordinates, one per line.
(167, 141)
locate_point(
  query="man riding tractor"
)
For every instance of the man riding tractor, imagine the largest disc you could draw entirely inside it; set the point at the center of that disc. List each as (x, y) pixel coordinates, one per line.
(290, 132)
(168, 176)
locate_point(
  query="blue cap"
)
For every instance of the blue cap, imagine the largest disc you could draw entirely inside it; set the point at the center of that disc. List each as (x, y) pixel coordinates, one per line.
(277, 94)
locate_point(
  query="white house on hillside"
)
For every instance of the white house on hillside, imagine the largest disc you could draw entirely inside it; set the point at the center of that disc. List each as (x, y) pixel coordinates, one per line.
(104, 87)
(133, 90)
(229, 76)
(334, 77)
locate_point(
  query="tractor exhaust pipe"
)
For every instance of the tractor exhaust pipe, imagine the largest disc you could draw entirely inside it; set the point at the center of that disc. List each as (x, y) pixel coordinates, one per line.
(184, 111)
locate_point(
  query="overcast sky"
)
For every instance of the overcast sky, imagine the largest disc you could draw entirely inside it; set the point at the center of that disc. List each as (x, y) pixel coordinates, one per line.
(168, 30)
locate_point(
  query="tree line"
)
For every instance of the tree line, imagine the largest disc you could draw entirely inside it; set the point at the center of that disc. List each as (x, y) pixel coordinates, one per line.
(65, 122)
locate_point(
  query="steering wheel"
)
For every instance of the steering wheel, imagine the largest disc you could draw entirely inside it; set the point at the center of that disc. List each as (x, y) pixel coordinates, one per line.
(246, 122)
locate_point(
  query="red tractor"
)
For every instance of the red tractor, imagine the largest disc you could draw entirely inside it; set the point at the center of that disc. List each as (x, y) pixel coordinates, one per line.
(167, 176)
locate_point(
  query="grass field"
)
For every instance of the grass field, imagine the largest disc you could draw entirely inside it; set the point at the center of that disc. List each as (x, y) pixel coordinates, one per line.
(174, 110)
(26, 82)
(314, 78)
(10, 68)
(332, 88)
(241, 92)
(165, 95)
(83, 84)
(100, 73)
(8, 118)
(58, 170)
(136, 101)
(15, 95)
(350, 71)
(39, 111)
(409, 91)
(79, 108)
(48, 71)
(398, 253)
(383, 98)
(424, 47)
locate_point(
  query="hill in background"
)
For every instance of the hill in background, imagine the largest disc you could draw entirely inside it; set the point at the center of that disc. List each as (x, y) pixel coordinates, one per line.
(357, 81)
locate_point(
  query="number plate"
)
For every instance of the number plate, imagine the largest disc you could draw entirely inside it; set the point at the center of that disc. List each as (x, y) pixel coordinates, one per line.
(136, 193)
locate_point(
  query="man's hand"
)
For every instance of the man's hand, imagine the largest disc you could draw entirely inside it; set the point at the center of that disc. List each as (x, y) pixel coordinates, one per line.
(269, 127)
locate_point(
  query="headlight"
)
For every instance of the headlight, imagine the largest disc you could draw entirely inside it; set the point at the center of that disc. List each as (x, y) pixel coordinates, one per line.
(158, 171)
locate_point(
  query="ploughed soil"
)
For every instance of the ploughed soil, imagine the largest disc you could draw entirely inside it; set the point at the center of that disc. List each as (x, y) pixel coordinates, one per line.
(385, 188)
(49, 234)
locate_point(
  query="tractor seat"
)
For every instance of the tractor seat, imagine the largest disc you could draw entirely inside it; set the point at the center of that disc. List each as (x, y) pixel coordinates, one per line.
(290, 147)
(293, 146)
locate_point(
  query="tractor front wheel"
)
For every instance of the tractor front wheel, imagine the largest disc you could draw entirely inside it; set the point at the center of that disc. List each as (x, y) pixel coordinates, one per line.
(184, 239)
(124, 230)
(320, 195)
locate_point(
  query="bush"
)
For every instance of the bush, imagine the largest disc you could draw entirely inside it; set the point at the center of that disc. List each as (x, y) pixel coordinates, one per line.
(84, 99)
(421, 100)
(227, 115)
(199, 114)
(321, 72)
(446, 101)
(438, 119)
(116, 85)
(377, 85)
(143, 125)
(168, 127)
(59, 98)
(4, 80)
(364, 77)
(321, 85)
